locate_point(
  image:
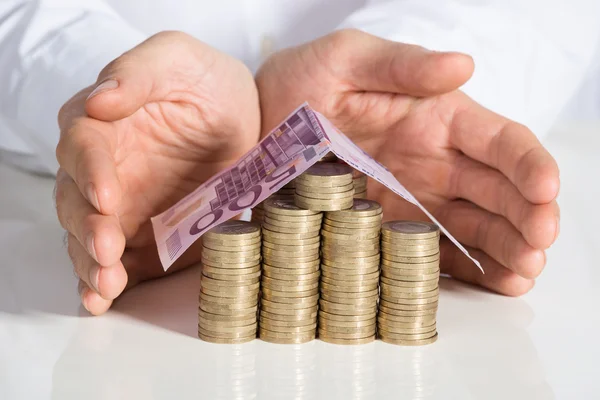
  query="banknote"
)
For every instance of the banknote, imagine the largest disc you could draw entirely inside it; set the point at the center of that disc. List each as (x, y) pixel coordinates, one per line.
(286, 152)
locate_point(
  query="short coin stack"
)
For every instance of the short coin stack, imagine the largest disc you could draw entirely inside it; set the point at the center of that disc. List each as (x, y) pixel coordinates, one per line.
(360, 184)
(288, 190)
(290, 280)
(409, 283)
(350, 273)
(230, 283)
(325, 187)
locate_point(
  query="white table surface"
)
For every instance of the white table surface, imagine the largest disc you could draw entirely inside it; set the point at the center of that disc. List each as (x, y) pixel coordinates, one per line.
(544, 345)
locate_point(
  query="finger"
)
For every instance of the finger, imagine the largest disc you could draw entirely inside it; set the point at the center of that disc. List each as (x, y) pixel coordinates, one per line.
(85, 151)
(91, 300)
(108, 282)
(494, 235)
(140, 76)
(507, 146)
(101, 235)
(489, 189)
(497, 277)
(369, 63)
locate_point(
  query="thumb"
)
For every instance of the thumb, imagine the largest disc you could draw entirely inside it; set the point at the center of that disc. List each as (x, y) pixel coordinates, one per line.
(375, 64)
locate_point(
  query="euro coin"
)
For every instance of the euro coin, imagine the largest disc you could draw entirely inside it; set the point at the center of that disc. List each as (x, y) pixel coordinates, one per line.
(410, 229)
(346, 342)
(240, 340)
(301, 188)
(233, 229)
(401, 342)
(360, 208)
(286, 207)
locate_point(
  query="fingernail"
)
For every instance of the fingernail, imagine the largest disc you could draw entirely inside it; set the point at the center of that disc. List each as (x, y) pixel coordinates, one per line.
(105, 86)
(94, 276)
(90, 246)
(90, 192)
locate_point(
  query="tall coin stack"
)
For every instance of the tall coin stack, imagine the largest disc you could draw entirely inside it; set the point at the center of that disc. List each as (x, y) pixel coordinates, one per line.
(360, 184)
(350, 273)
(325, 187)
(410, 271)
(288, 190)
(230, 283)
(290, 280)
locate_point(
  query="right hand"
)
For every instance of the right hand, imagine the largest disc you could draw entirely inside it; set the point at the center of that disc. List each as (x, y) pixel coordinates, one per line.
(160, 120)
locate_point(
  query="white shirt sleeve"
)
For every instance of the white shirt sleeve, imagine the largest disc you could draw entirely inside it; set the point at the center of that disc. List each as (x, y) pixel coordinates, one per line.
(530, 56)
(49, 50)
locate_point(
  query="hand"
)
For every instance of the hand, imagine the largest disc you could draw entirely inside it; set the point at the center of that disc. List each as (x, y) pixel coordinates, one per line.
(160, 120)
(486, 178)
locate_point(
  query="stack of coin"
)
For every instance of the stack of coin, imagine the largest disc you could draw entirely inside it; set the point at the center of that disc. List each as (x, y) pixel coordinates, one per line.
(288, 190)
(230, 283)
(410, 271)
(325, 187)
(290, 279)
(350, 273)
(360, 184)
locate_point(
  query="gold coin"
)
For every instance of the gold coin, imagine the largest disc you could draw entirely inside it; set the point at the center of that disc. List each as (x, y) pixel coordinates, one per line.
(407, 325)
(399, 296)
(396, 247)
(345, 309)
(356, 234)
(226, 334)
(272, 294)
(306, 219)
(367, 233)
(370, 288)
(310, 229)
(266, 336)
(278, 237)
(346, 342)
(287, 317)
(352, 219)
(410, 229)
(411, 278)
(400, 342)
(344, 318)
(271, 253)
(323, 205)
(407, 336)
(402, 273)
(216, 244)
(231, 257)
(340, 335)
(406, 302)
(299, 312)
(231, 271)
(360, 208)
(392, 264)
(347, 277)
(230, 265)
(248, 278)
(349, 242)
(300, 226)
(292, 276)
(392, 240)
(363, 330)
(285, 206)
(229, 310)
(307, 300)
(405, 331)
(269, 270)
(219, 319)
(352, 262)
(323, 322)
(412, 254)
(271, 323)
(317, 195)
(359, 248)
(419, 285)
(296, 329)
(233, 249)
(409, 316)
(293, 247)
(221, 329)
(410, 259)
(301, 188)
(353, 225)
(326, 172)
(230, 292)
(345, 283)
(275, 243)
(235, 229)
(229, 286)
(283, 261)
(334, 254)
(393, 308)
(355, 300)
(267, 281)
(300, 305)
(228, 300)
(240, 340)
(290, 286)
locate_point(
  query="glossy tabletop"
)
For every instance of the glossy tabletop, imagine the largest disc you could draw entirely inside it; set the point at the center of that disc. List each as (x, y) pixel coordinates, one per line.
(543, 345)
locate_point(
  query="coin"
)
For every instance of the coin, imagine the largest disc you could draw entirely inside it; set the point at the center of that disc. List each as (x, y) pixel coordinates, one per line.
(277, 237)
(323, 205)
(360, 208)
(290, 269)
(395, 309)
(273, 337)
(344, 318)
(231, 271)
(339, 335)
(351, 262)
(409, 316)
(346, 342)
(407, 325)
(320, 189)
(338, 275)
(353, 225)
(267, 311)
(406, 331)
(290, 286)
(235, 229)
(282, 261)
(299, 305)
(218, 330)
(357, 254)
(360, 194)
(399, 296)
(286, 207)
(307, 219)
(408, 336)
(411, 278)
(323, 322)
(356, 300)
(291, 247)
(410, 229)
(355, 234)
(288, 317)
(272, 253)
(245, 299)
(244, 257)
(344, 309)
(251, 315)
(228, 335)
(325, 172)
(271, 219)
(402, 342)
(410, 259)
(347, 283)
(279, 293)
(309, 230)
(294, 277)
(284, 241)
(230, 265)
(359, 331)
(291, 329)
(370, 288)
(307, 300)
(216, 244)
(366, 232)
(392, 264)
(216, 284)
(272, 324)
(240, 340)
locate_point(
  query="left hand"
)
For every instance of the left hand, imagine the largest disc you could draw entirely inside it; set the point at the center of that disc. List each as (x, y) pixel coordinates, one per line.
(486, 178)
